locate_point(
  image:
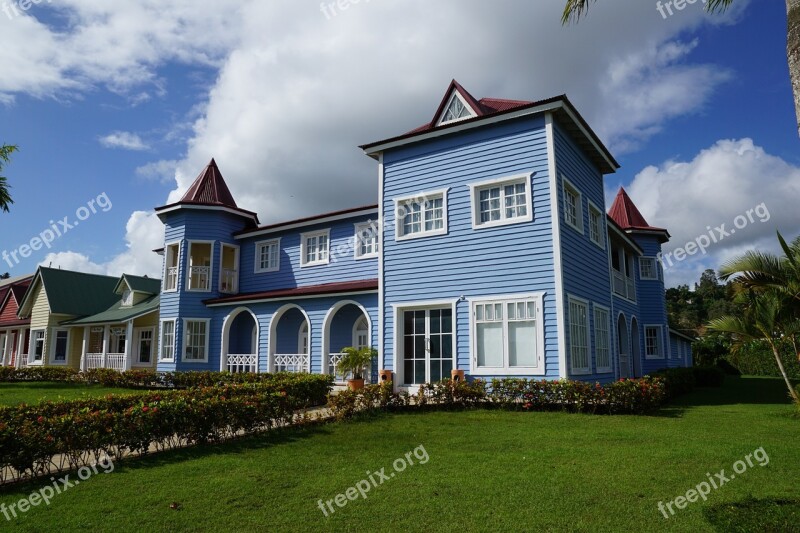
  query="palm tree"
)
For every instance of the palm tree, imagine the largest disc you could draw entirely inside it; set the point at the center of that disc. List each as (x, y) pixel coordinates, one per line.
(574, 9)
(767, 318)
(5, 196)
(760, 271)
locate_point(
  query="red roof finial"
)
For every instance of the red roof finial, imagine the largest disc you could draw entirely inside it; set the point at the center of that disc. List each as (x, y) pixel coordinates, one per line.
(209, 188)
(627, 216)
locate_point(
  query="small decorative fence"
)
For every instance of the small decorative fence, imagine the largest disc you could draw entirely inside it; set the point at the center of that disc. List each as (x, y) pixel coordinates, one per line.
(242, 363)
(114, 361)
(293, 362)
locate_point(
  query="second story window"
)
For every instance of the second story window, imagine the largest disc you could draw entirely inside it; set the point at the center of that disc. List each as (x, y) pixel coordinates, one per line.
(366, 240)
(268, 256)
(573, 214)
(315, 248)
(622, 271)
(422, 216)
(199, 266)
(500, 202)
(229, 269)
(171, 260)
(596, 226)
(648, 268)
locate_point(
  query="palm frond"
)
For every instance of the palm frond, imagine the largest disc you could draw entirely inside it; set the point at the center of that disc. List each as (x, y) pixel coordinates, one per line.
(712, 6)
(574, 10)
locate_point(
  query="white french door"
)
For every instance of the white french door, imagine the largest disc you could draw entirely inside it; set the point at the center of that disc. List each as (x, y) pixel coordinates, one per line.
(427, 347)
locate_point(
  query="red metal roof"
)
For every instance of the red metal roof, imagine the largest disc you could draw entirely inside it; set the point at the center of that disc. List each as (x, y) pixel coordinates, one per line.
(10, 296)
(311, 290)
(307, 220)
(627, 216)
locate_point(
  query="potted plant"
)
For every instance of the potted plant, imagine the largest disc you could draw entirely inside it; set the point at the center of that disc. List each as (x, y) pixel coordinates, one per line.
(355, 361)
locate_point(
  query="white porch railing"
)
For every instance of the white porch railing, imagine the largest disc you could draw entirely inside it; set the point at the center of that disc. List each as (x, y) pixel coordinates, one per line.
(200, 278)
(624, 286)
(292, 362)
(333, 367)
(230, 281)
(241, 363)
(172, 279)
(114, 361)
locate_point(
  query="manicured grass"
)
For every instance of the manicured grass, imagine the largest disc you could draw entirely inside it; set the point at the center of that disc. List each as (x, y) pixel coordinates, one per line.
(32, 393)
(487, 471)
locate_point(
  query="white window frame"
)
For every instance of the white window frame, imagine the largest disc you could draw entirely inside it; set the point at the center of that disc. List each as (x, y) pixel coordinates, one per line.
(539, 369)
(186, 321)
(422, 197)
(32, 349)
(304, 238)
(236, 258)
(398, 310)
(127, 298)
(161, 357)
(593, 209)
(660, 337)
(135, 357)
(210, 266)
(654, 262)
(477, 188)
(567, 185)
(580, 371)
(257, 262)
(442, 121)
(598, 329)
(360, 228)
(177, 265)
(52, 351)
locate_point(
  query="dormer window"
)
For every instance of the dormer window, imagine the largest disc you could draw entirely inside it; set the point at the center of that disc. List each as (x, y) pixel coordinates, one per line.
(127, 298)
(457, 109)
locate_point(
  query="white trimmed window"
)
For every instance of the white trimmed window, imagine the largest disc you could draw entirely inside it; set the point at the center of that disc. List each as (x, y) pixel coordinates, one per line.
(315, 248)
(167, 340)
(200, 271)
(579, 336)
(456, 110)
(653, 342)
(127, 298)
(171, 257)
(58, 351)
(648, 268)
(507, 335)
(501, 201)
(268, 256)
(366, 240)
(573, 213)
(195, 340)
(596, 226)
(602, 339)
(422, 216)
(37, 345)
(144, 346)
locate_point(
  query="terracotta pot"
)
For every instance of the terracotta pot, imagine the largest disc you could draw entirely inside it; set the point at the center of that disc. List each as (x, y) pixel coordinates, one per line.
(385, 375)
(355, 384)
(457, 375)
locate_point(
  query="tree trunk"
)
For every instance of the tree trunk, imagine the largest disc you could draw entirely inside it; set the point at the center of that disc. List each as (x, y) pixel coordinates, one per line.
(793, 52)
(777, 354)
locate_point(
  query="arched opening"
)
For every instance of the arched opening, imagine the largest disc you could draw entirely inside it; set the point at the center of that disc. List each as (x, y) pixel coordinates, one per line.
(346, 324)
(622, 347)
(240, 342)
(636, 352)
(290, 340)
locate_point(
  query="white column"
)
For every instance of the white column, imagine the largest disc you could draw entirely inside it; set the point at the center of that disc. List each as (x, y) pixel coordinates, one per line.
(106, 332)
(6, 351)
(21, 347)
(84, 346)
(129, 345)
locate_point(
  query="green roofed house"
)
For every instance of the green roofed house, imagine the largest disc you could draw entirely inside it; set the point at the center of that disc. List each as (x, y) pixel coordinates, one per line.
(87, 321)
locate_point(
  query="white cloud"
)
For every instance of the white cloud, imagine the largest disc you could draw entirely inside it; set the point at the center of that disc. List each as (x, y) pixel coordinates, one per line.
(734, 183)
(124, 140)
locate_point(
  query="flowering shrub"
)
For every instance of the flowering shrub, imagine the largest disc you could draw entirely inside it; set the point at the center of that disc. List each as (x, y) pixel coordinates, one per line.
(678, 381)
(38, 373)
(33, 438)
(629, 396)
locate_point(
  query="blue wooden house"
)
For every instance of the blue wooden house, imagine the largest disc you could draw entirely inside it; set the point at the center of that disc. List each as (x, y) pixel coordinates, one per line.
(490, 252)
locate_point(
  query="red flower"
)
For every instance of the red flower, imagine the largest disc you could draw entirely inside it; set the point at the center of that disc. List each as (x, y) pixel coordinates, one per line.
(145, 409)
(40, 419)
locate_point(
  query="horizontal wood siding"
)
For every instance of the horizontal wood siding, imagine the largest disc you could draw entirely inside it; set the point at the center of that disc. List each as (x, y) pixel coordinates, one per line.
(651, 297)
(585, 265)
(465, 262)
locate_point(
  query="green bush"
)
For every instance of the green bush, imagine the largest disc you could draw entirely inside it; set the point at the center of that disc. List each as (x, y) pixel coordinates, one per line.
(31, 437)
(708, 376)
(677, 381)
(38, 373)
(756, 359)
(728, 368)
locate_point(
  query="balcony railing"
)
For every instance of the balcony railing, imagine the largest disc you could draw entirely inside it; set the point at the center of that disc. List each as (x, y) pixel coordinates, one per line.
(172, 279)
(230, 281)
(624, 286)
(333, 367)
(200, 278)
(242, 363)
(293, 362)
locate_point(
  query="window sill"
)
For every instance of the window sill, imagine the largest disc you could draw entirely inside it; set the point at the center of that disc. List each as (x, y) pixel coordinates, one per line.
(529, 371)
(363, 257)
(501, 223)
(422, 235)
(315, 264)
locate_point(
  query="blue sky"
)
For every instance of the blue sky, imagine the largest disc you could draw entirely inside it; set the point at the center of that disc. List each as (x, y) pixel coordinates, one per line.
(133, 100)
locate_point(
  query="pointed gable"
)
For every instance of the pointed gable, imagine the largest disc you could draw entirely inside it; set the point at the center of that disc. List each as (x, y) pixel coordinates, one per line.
(628, 217)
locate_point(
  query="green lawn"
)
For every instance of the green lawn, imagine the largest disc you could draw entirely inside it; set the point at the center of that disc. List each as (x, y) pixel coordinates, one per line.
(487, 471)
(31, 393)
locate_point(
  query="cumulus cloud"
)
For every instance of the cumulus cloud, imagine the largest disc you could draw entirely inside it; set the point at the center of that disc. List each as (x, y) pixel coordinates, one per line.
(124, 140)
(733, 192)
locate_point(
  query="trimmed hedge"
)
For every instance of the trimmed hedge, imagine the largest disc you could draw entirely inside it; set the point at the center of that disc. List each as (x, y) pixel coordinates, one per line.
(38, 439)
(130, 379)
(681, 381)
(630, 396)
(756, 359)
(708, 376)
